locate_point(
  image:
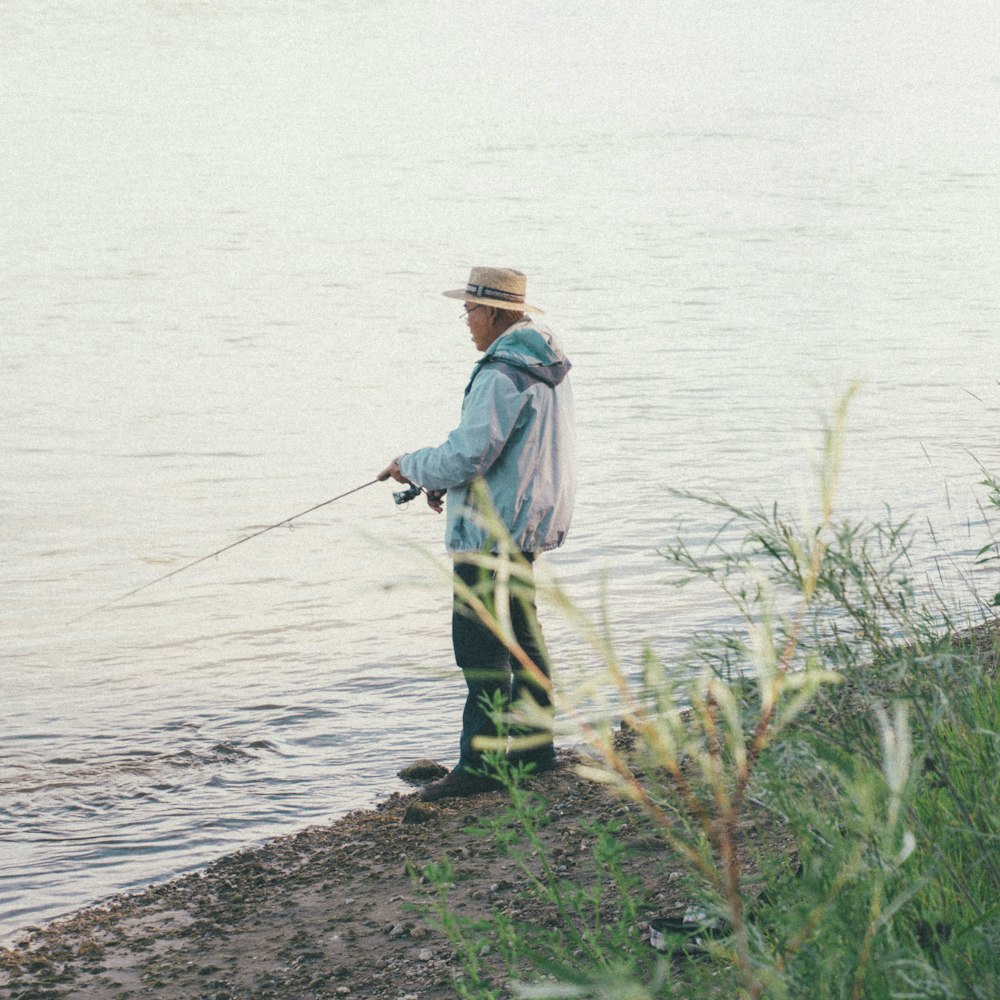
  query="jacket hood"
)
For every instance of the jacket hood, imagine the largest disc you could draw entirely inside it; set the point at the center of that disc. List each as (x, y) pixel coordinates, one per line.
(531, 345)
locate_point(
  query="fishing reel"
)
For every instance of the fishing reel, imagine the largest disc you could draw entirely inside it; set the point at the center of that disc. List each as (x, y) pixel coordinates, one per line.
(405, 496)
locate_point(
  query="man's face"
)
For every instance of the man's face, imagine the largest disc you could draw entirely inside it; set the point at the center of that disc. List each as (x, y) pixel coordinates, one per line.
(480, 325)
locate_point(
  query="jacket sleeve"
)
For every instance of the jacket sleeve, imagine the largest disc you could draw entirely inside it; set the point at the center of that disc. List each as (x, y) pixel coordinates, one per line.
(489, 416)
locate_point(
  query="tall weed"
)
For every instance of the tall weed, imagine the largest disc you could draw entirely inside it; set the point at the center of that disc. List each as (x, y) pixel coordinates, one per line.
(844, 716)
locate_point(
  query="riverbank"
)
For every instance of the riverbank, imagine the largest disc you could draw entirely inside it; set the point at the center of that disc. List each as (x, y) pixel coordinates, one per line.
(341, 911)
(332, 911)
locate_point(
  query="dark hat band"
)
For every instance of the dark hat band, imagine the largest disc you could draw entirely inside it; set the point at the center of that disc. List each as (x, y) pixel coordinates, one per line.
(485, 292)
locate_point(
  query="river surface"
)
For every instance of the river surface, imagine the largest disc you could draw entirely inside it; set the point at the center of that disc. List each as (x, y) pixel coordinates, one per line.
(225, 228)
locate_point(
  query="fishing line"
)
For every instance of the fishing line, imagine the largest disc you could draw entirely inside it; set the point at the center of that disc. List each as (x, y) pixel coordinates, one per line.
(232, 545)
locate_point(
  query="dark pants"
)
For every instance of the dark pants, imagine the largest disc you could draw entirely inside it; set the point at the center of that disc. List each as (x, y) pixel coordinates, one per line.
(490, 670)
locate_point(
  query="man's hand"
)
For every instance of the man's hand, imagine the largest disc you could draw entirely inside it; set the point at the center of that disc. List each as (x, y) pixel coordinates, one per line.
(392, 469)
(435, 500)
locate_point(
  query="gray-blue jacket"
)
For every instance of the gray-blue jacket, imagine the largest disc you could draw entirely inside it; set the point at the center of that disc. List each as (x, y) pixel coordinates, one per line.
(517, 435)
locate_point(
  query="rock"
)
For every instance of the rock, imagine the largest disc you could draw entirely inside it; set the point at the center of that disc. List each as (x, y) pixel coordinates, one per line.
(645, 843)
(421, 771)
(417, 812)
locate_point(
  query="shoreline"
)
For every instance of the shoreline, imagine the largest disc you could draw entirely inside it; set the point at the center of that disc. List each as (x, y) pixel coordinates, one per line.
(67, 909)
(332, 910)
(340, 910)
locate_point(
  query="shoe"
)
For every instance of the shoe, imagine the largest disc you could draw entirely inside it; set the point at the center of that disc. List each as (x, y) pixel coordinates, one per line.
(539, 760)
(458, 784)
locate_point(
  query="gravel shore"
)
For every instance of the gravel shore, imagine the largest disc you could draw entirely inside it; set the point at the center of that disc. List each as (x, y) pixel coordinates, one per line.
(333, 911)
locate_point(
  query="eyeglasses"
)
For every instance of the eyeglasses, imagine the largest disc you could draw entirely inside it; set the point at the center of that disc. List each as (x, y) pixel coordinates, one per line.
(468, 312)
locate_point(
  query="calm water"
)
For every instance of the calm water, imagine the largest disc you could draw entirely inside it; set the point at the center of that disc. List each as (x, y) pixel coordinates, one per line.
(225, 228)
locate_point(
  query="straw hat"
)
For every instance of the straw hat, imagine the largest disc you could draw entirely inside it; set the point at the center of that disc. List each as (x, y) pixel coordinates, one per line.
(501, 287)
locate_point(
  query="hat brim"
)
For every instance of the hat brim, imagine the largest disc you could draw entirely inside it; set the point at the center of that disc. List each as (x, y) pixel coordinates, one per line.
(461, 293)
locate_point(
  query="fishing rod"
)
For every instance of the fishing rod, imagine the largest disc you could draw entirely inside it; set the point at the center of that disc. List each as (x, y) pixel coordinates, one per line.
(402, 497)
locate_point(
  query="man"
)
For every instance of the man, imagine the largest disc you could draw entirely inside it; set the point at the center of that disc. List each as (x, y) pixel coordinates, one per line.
(515, 446)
